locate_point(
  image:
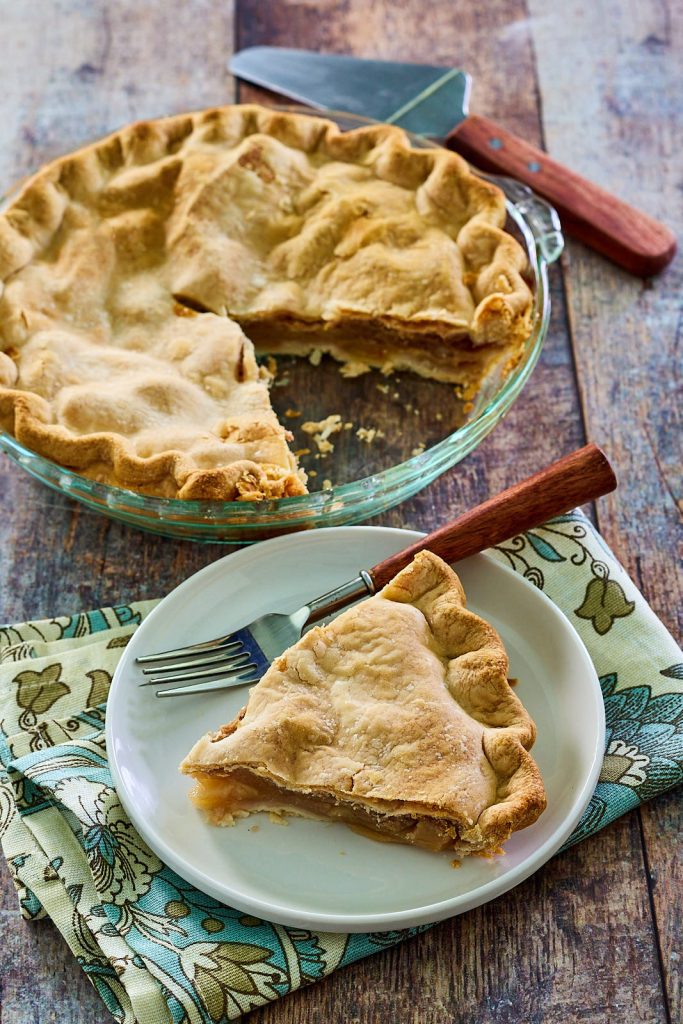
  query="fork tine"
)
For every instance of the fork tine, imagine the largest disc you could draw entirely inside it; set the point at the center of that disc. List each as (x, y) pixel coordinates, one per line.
(224, 671)
(214, 659)
(182, 652)
(244, 679)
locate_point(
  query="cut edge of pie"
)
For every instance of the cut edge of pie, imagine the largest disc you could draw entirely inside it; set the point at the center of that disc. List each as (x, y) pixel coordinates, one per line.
(304, 235)
(397, 719)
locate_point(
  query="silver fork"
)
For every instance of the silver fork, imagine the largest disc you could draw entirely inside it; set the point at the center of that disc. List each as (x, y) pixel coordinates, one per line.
(241, 657)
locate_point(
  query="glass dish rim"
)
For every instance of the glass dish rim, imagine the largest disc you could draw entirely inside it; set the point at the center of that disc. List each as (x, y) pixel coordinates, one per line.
(289, 512)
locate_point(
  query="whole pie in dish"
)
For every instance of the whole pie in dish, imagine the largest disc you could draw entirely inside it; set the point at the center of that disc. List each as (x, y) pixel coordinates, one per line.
(138, 274)
(397, 719)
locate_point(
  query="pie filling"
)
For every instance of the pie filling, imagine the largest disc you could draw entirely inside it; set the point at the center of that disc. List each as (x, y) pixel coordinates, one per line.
(449, 357)
(241, 792)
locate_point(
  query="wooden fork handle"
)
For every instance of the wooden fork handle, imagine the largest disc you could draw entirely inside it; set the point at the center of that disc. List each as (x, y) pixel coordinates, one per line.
(577, 478)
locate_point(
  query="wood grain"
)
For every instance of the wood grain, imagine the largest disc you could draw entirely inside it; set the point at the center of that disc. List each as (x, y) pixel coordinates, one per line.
(627, 334)
(661, 825)
(585, 939)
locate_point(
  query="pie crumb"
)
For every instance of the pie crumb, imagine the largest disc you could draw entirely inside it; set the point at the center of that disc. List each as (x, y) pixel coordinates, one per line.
(328, 426)
(321, 430)
(327, 484)
(313, 472)
(456, 863)
(348, 426)
(302, 451)
(368, 434)
(254, 828)
(384, 388)
(419, 450)
(315, 357)
(354, 369)
(277, 819)
(489, 854)
(292, 414)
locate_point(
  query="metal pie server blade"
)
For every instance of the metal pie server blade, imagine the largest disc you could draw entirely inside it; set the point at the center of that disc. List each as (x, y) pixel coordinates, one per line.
(419, 97)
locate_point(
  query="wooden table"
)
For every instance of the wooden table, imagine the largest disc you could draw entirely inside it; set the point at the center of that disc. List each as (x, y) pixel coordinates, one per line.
(595, 935)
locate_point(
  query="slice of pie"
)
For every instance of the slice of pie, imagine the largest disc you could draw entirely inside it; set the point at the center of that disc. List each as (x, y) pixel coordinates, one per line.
(136, 273)
(396, 719)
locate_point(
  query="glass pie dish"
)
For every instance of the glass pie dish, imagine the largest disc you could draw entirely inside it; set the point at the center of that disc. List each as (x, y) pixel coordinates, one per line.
(393, 435)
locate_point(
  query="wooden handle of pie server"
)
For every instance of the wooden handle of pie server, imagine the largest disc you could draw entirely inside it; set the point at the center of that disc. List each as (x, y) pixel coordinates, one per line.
(623, 234)
(577, 478)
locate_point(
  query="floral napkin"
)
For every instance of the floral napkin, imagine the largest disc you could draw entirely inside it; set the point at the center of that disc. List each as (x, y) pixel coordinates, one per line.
(155, 948)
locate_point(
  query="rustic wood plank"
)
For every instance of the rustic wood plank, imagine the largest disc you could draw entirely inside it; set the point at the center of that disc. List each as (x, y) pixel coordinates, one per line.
(73, 71)
(616, 120)
(40, 981)
(662, 828)
(627, 334)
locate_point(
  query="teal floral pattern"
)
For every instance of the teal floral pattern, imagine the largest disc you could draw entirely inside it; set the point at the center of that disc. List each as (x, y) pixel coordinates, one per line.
(604, 599)
(154, 947)
(122, 865)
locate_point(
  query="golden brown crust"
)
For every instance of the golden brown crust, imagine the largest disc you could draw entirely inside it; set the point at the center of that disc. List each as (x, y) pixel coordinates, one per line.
(246, 215)
(400, 706)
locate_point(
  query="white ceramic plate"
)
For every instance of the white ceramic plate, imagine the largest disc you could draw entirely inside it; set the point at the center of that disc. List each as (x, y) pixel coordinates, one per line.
(323, 876)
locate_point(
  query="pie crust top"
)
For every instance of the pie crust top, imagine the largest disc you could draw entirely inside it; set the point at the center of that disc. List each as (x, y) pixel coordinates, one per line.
(400, 707)
(132, 272)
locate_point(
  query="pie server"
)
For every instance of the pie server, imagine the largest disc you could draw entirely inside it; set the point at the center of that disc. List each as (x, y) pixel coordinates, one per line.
(433, 101)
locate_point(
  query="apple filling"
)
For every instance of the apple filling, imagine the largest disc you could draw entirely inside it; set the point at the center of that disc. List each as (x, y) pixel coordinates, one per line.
(226, 797)
(424, 349)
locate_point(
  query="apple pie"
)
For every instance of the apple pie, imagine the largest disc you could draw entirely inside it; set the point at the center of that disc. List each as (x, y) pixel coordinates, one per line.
(138, 274)
(397, 719)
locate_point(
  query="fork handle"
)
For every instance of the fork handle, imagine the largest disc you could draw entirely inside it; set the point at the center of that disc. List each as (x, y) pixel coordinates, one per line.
(573, 480)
